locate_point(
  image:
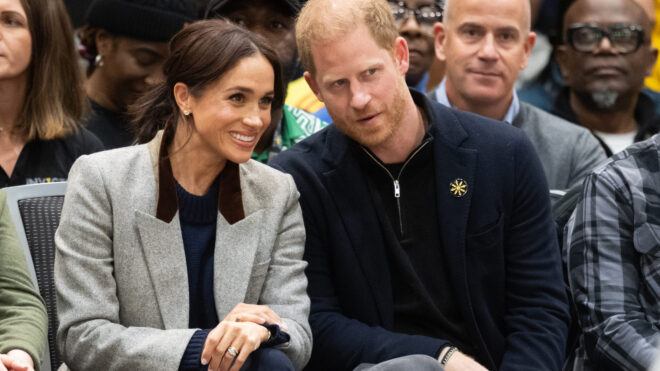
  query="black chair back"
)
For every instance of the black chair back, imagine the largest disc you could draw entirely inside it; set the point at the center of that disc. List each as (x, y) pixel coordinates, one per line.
(41, 216)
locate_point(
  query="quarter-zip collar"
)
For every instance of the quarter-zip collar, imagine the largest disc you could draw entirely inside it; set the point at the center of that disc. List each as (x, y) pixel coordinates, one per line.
(396, 177)
(447, 130)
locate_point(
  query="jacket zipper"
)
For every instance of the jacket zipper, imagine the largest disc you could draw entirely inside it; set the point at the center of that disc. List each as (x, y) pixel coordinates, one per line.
(395, 181)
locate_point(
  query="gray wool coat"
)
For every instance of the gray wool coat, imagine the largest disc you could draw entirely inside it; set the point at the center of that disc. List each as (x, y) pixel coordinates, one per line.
(568, 152)
(120, 271)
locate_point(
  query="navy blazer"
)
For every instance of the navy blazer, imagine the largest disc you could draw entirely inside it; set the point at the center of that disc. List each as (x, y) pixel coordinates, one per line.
(498, 239)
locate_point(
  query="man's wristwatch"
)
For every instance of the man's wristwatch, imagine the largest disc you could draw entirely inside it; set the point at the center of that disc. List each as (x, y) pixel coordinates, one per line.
(448, 355)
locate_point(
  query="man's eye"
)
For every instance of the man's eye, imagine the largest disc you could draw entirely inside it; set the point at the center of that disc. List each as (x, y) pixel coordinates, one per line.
(507, 37)
(471, 33)
(277, 25)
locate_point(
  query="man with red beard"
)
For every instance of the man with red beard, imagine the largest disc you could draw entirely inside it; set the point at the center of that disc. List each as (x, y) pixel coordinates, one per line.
(428, 229)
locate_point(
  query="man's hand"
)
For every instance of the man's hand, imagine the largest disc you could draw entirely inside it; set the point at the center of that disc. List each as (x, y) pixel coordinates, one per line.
(16, 360)
(460, 362)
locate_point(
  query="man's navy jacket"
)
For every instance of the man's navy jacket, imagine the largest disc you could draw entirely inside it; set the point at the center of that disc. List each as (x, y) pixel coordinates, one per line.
(498, 240)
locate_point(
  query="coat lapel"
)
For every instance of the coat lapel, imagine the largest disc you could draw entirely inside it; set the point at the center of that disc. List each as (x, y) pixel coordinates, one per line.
(456, 166)
(453, 209)
(235, 248)
(162, 246)
(361, 223)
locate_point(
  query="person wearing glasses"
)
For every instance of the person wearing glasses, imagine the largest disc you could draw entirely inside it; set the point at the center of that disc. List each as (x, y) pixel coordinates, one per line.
(415, 19)
(605, 58)
(485, 45)
(612, 237)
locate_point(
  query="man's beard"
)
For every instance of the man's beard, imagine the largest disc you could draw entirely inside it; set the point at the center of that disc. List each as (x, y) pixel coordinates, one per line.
(604, 99)
(392, 115)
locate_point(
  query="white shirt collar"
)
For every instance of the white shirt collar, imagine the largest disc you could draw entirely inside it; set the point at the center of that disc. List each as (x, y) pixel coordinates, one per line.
(440, 95)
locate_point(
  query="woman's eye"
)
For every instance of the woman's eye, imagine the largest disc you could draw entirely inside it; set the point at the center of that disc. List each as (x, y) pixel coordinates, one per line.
(266, 101)
(146, 58)
(238, 98)
(12, 21)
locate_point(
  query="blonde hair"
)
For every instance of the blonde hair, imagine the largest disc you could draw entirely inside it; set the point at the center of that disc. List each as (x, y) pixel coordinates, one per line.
(322, 21)
(55, 100)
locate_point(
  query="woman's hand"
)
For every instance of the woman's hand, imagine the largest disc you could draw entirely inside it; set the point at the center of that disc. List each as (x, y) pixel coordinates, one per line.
(232, 342)
(259, 314)
(16, 360)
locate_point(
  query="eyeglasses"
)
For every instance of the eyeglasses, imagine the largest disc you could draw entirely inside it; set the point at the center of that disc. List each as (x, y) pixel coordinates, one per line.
(426, 15)
(625, 38)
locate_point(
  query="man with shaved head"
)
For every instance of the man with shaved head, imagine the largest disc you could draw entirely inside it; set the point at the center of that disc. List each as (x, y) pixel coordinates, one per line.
(604, 60)
(429, 234)
(485, 44)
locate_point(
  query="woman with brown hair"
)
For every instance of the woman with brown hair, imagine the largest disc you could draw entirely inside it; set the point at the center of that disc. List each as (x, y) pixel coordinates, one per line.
(41, 96)
(182, 252)
(125, 42)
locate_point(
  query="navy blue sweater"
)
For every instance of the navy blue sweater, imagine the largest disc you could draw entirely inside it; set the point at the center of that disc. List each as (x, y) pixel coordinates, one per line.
(198, 217)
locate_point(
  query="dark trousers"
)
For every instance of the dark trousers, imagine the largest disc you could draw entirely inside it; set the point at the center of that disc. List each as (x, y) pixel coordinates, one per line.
(267, 359)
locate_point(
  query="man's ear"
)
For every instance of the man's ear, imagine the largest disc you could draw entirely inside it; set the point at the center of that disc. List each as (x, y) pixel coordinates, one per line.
(182, 97)
(440, 32)
(401, 55)
(313, 85)
(529, 44)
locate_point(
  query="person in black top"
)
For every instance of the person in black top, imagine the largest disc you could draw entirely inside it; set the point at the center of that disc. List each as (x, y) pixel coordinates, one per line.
(41, 96)
(126, 45)
(428, 230)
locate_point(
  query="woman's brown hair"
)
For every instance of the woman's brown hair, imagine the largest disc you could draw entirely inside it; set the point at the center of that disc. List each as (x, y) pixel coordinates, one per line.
(54, 100)
(199, 55)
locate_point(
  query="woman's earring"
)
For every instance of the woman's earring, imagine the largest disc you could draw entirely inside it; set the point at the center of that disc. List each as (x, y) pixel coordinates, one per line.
(186, 113)
(98, 60)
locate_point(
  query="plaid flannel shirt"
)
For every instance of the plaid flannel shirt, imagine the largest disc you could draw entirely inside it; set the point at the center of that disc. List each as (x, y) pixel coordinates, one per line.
(613, 242)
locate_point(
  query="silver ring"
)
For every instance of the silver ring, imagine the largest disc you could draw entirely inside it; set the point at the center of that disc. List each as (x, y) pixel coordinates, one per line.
(232, 351)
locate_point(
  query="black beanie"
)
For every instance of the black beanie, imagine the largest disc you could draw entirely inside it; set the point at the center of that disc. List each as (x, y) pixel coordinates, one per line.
(214, 8)
(149, 20)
